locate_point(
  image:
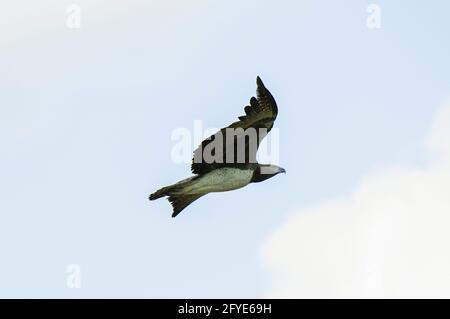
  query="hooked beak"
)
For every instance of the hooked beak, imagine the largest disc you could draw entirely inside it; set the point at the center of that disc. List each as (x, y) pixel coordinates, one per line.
(282, 170)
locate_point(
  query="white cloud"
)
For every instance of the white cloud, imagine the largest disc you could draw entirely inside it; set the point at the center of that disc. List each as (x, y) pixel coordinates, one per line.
(389, 238)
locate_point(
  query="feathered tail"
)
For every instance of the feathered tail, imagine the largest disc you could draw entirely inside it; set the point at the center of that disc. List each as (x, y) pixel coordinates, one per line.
(177, 198)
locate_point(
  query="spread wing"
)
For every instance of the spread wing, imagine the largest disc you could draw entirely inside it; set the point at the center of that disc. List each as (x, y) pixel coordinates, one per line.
(238, 143)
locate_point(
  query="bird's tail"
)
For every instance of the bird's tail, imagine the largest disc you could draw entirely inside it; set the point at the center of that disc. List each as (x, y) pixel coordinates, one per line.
(175, 188)
(165, 191)
(181, 201)
(177, 197)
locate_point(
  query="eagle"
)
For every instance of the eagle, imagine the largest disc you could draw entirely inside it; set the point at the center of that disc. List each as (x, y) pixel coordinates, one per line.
(227, 160)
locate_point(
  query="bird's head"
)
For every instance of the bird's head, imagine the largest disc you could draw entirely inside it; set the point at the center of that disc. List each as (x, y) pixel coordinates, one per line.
(266, 171)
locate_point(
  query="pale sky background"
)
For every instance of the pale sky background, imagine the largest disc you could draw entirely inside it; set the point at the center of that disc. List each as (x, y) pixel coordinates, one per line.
(86, 117)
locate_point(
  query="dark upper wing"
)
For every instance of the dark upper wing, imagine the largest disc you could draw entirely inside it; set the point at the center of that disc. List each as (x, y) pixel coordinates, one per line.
(259, 118)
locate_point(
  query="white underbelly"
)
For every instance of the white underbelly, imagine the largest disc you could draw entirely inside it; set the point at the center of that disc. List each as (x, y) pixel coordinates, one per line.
(220, 180)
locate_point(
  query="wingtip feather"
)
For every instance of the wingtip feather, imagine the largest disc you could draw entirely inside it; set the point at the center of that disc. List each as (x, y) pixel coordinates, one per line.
(259, 82)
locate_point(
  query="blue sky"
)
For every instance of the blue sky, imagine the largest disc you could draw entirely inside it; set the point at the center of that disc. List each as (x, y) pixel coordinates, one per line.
(86, 117)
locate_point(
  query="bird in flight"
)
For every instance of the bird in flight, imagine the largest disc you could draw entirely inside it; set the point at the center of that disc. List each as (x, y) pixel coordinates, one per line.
(227, 160)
